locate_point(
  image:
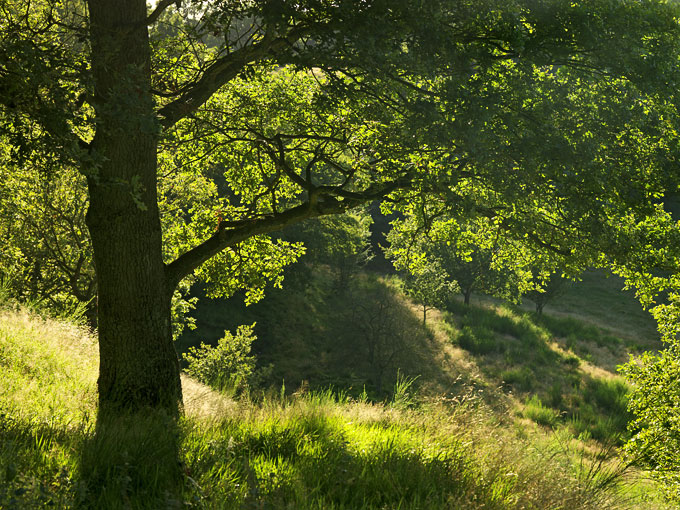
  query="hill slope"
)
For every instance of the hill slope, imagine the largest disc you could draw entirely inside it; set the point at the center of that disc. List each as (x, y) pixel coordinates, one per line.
(360, 338)
(312, 450)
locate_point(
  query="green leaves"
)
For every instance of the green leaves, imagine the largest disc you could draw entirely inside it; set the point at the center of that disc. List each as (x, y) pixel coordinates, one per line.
(654, 402)
(226, 365)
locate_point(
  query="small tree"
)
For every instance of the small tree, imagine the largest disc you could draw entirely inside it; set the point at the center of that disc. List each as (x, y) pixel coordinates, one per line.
(546, 290)
(471, 272)
(430, 287)
(384, 331)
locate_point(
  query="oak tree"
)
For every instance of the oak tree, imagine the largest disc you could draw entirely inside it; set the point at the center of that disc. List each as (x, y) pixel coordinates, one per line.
(203, 126)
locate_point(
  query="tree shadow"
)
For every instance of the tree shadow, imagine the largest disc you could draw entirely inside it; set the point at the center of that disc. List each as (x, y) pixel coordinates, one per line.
(312, 461)
(549, 361)
(132, 460)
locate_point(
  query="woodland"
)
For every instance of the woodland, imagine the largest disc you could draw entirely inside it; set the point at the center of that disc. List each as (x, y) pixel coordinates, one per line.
(340, 254)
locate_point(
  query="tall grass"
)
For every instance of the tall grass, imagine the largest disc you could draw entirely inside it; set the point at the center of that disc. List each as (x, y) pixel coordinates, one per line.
(47, 404)
(317, 453)
(313, 450)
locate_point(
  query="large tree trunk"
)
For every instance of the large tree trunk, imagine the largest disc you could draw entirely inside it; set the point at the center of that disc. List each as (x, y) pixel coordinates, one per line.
(138, 363)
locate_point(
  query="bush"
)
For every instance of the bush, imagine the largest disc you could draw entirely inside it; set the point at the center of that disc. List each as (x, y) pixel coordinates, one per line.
(539, 413)
(610, 395)
(225, 365)
(572, 361)
(478, 341)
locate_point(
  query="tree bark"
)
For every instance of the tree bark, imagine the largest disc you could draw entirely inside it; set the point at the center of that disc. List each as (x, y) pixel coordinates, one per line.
(138, 362)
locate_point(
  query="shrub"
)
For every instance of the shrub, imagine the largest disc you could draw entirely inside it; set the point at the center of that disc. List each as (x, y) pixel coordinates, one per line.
(539, 413)
(225, 365)
(556, 395)
(609, 395)
(572, 361)
(478, 341)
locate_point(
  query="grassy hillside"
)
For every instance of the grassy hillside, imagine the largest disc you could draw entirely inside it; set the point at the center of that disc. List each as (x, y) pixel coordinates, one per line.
(312, 332)
(310, 450)
(559, 368)
(555, 373)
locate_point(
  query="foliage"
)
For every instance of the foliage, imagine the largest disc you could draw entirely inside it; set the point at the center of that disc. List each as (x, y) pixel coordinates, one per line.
(527, 127)
(46, 253)
(430, 287)
(469, 256)
(656, 425)
(225, 365)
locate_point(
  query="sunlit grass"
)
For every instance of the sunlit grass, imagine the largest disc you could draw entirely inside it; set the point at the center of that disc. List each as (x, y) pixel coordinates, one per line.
(312, 450)
(47, 402)
(318, 452)
(47, 368)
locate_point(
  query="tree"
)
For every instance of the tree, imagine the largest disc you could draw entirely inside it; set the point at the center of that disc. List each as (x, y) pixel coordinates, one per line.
(467, 256)
(547, 290)
(429, 286)
(553, 120)
(471, 273)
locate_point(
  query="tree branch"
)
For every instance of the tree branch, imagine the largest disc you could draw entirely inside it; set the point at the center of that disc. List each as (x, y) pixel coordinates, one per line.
(221, 71)
(162, 5)
(225, 237)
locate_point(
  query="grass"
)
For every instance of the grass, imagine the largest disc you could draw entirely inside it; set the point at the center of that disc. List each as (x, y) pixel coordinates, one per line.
(324, 453)
(47, 398)
(558, 369)
(539, 413)
(54, 364)
(598, 300)
(311, 450)
(511, 410)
